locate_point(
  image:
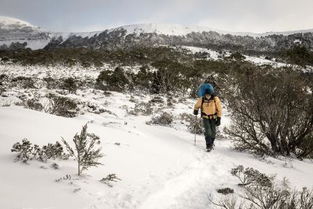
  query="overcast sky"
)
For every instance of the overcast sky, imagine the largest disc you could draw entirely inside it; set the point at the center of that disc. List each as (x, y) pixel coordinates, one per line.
(230, 15)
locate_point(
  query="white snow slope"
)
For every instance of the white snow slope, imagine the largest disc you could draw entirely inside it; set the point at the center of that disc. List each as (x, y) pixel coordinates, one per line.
(159, 167)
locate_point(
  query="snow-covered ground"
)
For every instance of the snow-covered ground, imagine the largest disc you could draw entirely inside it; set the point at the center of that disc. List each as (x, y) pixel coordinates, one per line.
(263, 61)
(159, 167)
(214, 55)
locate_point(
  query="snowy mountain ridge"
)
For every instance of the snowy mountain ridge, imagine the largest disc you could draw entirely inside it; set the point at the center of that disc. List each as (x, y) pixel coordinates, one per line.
(182, 30)
(15, 30)
(166, 29)
(159, 28)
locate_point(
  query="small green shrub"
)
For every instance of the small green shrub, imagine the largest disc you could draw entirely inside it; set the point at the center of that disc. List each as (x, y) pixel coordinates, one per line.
(85, 152)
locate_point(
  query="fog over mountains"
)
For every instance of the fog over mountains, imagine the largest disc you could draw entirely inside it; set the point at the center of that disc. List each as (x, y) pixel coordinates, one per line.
(28, 36)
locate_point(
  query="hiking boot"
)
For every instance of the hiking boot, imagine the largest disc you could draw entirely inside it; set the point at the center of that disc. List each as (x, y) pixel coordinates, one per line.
(209, 148)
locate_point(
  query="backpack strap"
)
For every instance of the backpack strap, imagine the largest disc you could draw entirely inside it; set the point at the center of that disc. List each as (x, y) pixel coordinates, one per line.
(202, 100)
(215, 104)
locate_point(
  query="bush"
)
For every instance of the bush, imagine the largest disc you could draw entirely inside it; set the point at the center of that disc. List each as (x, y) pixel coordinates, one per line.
(260, 192)
(70, 84)
(34, 105)
(271, 112)
(53, 151)
(3, 78)
(250, 177)
(299, 55)
(194, 124)
(24, 82)
(237, 56)
(26, 151)
(63, 106)
(109, 179)
(85, 152)
(142, 79)
(225, 191)
(165, 119)
(51, 83)
(142, 108)
(112, 80)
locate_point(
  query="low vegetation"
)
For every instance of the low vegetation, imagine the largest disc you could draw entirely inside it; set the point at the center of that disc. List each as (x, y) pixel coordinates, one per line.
(272, 112)
(259, 191)
(85, 151)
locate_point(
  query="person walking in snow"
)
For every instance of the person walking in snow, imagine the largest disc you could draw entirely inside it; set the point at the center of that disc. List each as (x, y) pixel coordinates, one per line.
(211, 113)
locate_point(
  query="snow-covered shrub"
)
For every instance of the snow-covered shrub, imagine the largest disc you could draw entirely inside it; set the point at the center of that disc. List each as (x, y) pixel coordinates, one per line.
(193, 123)
(70, 84)
(51, 83)
(142, 108)
(164, 119)
(157, 100)
(67, 177)
(85, 152)
(225, 191)
(170, 101)
(97, 108)
(236, 56)
(3, 78)
(27, 151)
(271, 112)
(53, 151)
(55, 166)
(261, 192)
(23, 82)
(109, 179)
(24, 150)
(112, 80)
(63, 106)
(34, 104)
(142, 80)
(251, 176)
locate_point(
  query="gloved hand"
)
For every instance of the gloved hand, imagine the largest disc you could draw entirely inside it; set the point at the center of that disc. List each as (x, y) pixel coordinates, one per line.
(218, 121)
(195, 112)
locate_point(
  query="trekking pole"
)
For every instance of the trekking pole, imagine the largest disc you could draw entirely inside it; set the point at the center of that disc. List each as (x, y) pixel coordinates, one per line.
(195, 139)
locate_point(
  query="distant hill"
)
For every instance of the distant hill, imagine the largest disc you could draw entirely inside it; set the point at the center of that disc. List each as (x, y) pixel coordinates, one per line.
(14, 30)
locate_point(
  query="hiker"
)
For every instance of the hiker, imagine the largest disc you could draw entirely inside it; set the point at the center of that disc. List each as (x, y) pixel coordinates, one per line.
(211, 113)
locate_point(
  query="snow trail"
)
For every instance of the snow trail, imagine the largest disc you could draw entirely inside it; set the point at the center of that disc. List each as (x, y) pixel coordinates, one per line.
(191, 188)
(159, 166)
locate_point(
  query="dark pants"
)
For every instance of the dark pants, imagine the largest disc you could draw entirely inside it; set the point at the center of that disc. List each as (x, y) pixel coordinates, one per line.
(209, 131)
